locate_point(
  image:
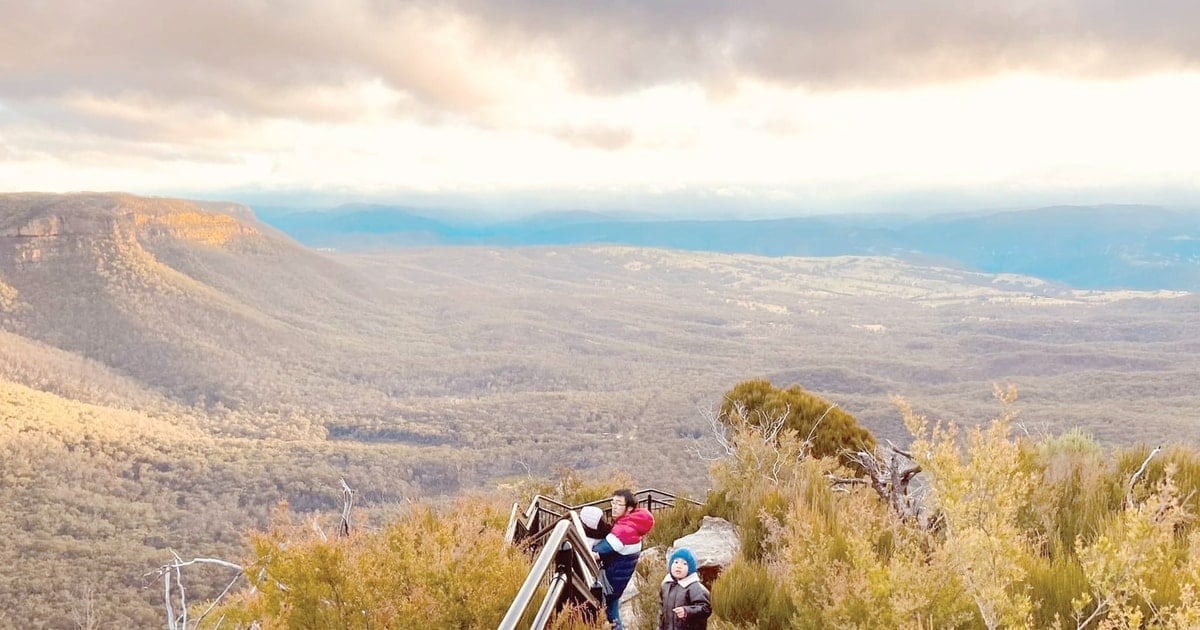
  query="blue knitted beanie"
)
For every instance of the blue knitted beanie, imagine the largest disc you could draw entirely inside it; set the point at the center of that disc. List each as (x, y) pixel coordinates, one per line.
(687, 557)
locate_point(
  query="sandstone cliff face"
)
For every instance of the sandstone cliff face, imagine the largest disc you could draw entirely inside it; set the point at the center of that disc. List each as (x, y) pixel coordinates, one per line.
(36, 227)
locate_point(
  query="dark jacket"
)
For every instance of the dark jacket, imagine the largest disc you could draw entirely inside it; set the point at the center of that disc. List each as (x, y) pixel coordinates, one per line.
(618, 568)
(690, 594)
(621, 548)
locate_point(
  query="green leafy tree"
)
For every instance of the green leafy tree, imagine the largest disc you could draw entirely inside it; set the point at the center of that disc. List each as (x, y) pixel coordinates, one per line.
(831, 430)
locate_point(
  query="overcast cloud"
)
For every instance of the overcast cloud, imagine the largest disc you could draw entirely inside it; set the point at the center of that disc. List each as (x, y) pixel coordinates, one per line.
(222, 80)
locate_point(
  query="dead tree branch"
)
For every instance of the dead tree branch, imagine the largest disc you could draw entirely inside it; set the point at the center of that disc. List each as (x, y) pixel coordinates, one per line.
(175, 568)
(888, 476)
(1138, 475)
(761, 428)
(720, 434)
(347, 504)
(83, 607)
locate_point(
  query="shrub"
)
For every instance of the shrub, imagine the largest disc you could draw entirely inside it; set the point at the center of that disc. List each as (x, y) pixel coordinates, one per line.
(572, 488)
(674, 523)
(747, 593)
(832, 430)
(651, 569)
(1075, 491)
(426, 569)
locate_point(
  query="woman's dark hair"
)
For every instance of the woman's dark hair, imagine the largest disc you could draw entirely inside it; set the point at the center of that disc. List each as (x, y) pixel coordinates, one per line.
(630, 500)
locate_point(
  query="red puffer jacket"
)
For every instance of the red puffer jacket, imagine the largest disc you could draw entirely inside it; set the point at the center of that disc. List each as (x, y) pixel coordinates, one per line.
(629, 529)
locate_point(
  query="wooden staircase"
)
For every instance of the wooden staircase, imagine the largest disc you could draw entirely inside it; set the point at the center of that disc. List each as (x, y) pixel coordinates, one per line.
(552, 532)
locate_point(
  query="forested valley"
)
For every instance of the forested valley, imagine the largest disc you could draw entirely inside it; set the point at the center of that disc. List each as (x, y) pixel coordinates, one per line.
(178, 378)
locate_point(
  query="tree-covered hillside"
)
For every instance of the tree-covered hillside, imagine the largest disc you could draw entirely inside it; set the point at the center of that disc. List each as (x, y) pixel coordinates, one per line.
(95, 497)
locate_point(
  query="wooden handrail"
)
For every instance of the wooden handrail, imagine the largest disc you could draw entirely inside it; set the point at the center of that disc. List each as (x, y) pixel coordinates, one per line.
(533, 529)
(566, 559)
(560, 540)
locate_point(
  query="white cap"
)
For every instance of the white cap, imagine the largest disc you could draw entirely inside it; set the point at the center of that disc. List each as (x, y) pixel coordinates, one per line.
(591, 515)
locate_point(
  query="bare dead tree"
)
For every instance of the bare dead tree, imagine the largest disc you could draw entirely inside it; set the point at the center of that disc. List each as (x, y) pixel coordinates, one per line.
(767, 427)
(528, 472)
(347, 504)
(83, 608)
(720, 435)
(174, 571)
(889, 476)
(1140, 471)
(813, 432)
(764, 430)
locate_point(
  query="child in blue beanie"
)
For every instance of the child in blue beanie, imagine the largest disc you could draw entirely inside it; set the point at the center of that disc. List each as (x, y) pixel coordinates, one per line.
(685, 601)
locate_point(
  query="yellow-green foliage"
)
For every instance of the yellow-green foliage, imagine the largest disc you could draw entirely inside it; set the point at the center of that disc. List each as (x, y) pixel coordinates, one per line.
(846, 561)
(979, 495)
(751, 483)
(571, 617)
(832, 430)
(1186, 471)
(674, 523)
(425, 570)
(1054, 583)
(1014, 534)
(1074, 490)
(651, 569)
(1131, 567)
(747, 594)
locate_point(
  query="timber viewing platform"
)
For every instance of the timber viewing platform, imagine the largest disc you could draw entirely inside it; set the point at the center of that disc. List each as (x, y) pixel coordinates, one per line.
(553, 532)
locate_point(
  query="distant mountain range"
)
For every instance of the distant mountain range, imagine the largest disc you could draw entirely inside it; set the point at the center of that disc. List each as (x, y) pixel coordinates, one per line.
(1090, 247)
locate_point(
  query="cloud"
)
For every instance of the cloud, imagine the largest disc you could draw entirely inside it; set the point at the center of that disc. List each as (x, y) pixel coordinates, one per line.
(263, 58)
(604, 138)
(250, 58)
(622, 45)
(494, 95)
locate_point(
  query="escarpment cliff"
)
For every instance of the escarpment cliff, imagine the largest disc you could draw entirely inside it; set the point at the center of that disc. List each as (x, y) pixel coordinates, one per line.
(35, 226)
(183, 296)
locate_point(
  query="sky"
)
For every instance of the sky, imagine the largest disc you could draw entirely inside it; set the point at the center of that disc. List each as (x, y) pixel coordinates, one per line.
(681, 107)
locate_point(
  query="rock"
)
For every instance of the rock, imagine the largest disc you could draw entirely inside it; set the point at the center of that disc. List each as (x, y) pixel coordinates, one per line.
(629, 609)
(715, 546)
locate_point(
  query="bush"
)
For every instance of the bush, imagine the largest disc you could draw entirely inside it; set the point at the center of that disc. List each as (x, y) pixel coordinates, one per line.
(674, 523)
(572, 488)
(832, 430)
(427, 569)
(747, 593)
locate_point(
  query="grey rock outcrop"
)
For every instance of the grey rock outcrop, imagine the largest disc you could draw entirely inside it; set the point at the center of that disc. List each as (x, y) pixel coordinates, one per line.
(715, 546)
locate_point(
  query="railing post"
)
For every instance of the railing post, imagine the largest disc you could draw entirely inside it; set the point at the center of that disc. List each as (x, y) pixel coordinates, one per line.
(563, 561)
(510, 533)
(525, 595)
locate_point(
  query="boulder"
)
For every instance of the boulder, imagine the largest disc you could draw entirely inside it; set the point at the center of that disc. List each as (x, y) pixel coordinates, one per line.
(629, 610)
(715, 545)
